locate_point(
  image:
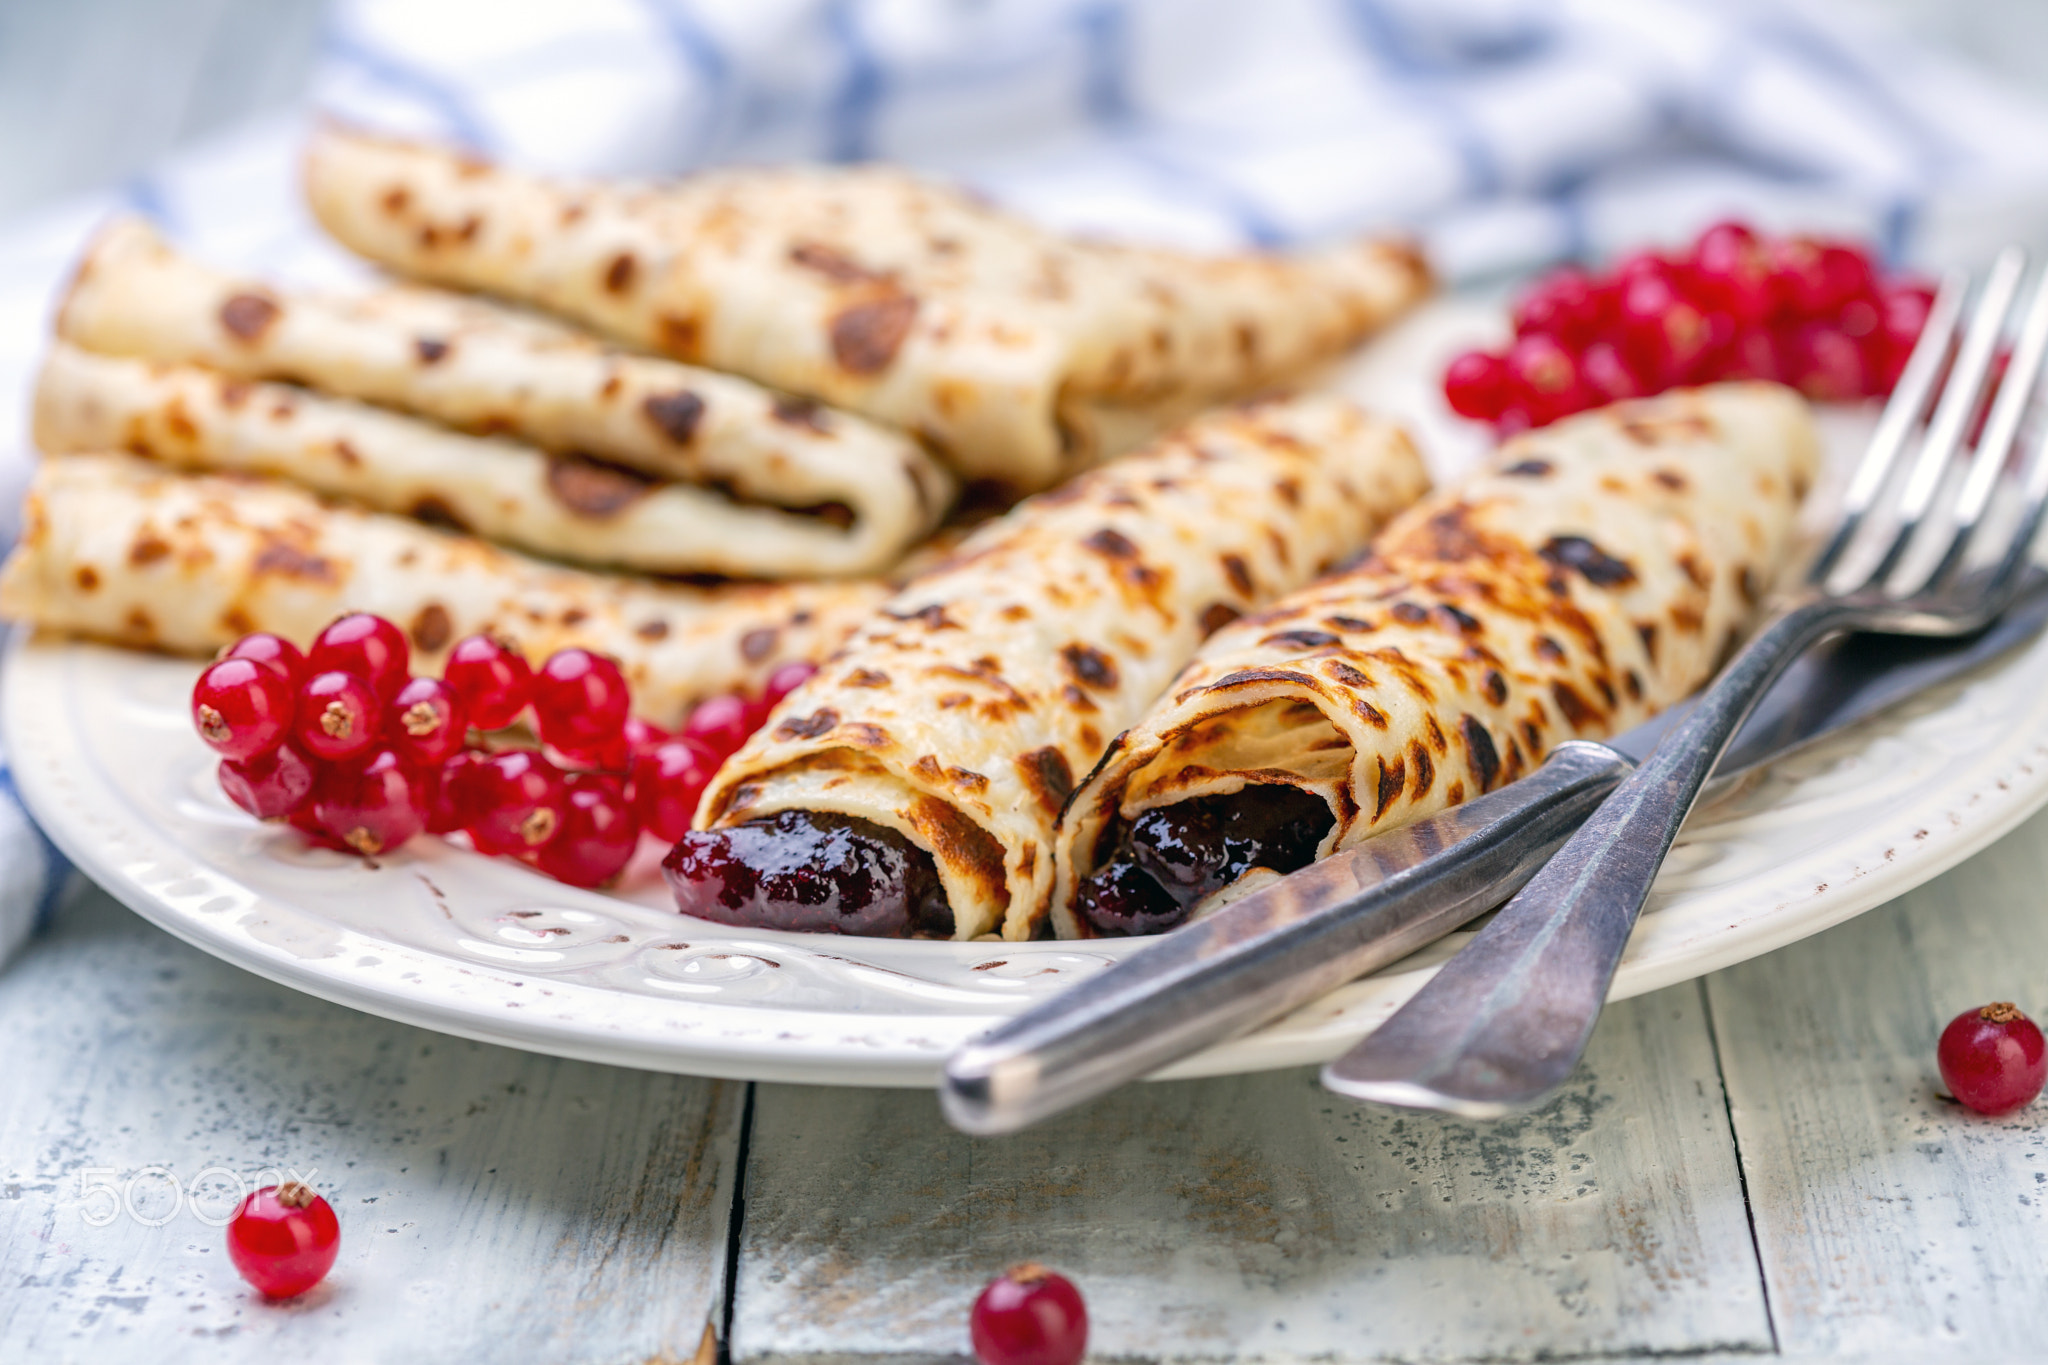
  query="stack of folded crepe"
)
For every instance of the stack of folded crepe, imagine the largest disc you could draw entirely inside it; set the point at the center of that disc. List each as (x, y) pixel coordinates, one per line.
(791, 376)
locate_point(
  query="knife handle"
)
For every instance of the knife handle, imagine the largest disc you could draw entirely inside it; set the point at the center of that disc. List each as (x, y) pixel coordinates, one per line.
(1277, 948)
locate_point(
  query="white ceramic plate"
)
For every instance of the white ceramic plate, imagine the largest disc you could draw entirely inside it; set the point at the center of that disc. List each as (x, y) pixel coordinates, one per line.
(104, 755)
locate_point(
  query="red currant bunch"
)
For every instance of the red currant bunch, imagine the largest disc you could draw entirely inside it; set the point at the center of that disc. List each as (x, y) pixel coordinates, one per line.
(342, 742)
(1993, 1058)
(1029, 1316)
(1809, 312)
(283, 1238)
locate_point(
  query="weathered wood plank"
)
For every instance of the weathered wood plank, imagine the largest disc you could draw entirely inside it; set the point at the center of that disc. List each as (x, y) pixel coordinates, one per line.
(1260, 1219)
(1891, 1221)
(494, 1204)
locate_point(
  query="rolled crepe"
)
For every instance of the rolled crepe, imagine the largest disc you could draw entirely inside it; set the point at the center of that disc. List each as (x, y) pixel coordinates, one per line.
(1588, 575)
(961, 713)
(120, 550)
(765, 485)
(563, 506)
(1020, 355)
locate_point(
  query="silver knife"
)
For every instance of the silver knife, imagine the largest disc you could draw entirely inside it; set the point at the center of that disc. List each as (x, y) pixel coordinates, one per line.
(1374, 903)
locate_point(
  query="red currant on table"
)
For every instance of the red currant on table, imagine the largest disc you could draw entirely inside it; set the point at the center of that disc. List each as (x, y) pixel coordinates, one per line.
(243, 708)
(274, 650)
(372, 806)
(1993, 1058)
(1029, 1316)
(668, 781)
(269, 786)
(493, 679)
(598, 833)
(425, 721)
(785, 680)
(580, 701)
(337, 716)
(368, 646)
(721, 724)
(641, 735)
(1476, 385)
(283, 1238)
(514, 801)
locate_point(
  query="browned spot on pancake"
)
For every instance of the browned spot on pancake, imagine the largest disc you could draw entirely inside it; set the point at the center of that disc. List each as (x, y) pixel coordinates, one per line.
(1216, 616)
(1240, 576)
(347, 454)
(1529, 469)
(1436, 735)
(180, 421)
(1694, 570)
(430, 350)
(680, 334)
(1494, 686)
(808, 727)
(933, 615)
(1345, 673)
(1532, 731)
(139, 624)
(1367, 712)
(1301, 639)
(286, 560)
(237, 621)
(864, 734)
(656, 629)
(867, 335)
(1670, 478)
(1634, 683)
(675, 415)
(865, 677)
(759, 643)
(619, 274)
(1409, 613)
(1479, 751)
(591, 489)
(1110, 543)
(1391, 777)
(235, 392)
(247, 316)
(798, 412)
(1647, 631)
(611, 386)
(435, 512)
(1549, 650)
(1655, 431)
(1244, 676)
(966, 779)
(574, 616)
(1289, 491)
(87, 577)
(1601, 681)
(431, 629)
(1688, 618)
(1462, 622)
(1358, 623)
(147, 549)
(953, 701)
(1424, 770)
(396, 200)
(1591, 562)
(1048, 776)
(1088, 665)
(963, 846)
(834, 264)
(1578, 712)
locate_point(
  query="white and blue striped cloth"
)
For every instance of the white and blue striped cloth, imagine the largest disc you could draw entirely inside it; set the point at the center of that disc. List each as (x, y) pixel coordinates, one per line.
(1505, 133)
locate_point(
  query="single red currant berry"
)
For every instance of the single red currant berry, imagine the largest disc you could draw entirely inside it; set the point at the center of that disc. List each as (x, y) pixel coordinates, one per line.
(1666, 334)
(305, 822)
(493, 679)
(242, 708)
(372, 806)
(1029, 1316)
(449, 803)
(1476, 385)
(514, 798)
(283, 1238)
(787, 679)
(368, 646)
(668, 781)
(269, 786)
(642, 735)
(274, 650)
(721, 724)
(1565, 304)
(580, 702)
(336, 717)
(598, 835)
(1546, 379)
(1730, 271)
(1993, 1058)
(1823, 364)
(1606, 372)
(425, 721)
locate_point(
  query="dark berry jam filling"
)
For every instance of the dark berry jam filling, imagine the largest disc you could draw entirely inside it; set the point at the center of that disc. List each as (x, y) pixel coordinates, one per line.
(1167, 860)
(809, 871)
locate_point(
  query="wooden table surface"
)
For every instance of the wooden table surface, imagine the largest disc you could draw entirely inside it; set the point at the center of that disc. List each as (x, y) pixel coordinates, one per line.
(1757, 1164)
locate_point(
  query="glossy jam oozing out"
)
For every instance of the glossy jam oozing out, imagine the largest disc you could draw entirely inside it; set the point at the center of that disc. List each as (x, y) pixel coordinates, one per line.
(809, 871)
(1171, 858)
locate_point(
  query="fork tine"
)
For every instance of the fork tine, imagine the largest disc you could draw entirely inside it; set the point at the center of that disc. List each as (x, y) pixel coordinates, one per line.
(2005, 579)
(2001, 430)
(1909, 402)
(1960, 399)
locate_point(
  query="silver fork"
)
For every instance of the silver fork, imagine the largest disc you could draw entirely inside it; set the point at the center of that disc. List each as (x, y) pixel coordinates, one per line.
(1505, 1021)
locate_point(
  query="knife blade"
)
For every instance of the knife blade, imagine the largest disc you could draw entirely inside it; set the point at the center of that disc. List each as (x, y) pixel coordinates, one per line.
(1374, 903)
